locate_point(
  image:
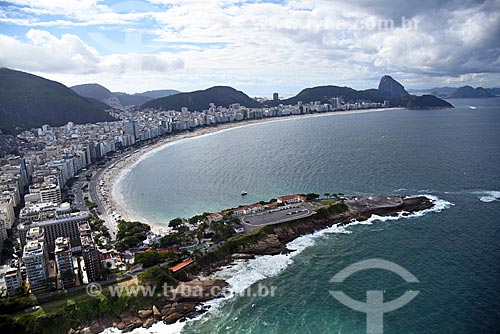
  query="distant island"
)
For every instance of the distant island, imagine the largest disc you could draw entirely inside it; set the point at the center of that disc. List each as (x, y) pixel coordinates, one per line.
(464, 92)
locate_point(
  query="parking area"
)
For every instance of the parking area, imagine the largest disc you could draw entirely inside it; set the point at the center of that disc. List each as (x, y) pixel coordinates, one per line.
(277, 215)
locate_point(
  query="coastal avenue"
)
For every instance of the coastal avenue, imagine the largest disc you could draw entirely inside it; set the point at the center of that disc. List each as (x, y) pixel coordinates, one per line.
(101, 208)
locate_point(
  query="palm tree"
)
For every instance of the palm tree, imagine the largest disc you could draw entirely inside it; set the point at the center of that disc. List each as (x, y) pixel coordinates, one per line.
(327, 195)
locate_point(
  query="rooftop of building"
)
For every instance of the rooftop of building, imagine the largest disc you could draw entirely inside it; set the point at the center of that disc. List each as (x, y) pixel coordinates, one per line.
(34, 233)
(62, 244)
(33, 247)
(68, 217)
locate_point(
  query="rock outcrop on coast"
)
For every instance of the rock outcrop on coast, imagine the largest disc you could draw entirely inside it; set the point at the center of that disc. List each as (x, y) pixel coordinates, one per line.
(275, 242)
(177, 304)
(388, 87)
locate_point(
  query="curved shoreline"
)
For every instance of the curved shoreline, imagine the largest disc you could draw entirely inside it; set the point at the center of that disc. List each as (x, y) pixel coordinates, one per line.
(298, 236)
(114, 175)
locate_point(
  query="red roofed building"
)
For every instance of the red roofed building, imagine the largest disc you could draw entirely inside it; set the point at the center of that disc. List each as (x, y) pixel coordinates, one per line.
(214, 217)
(168, 250)
(291, 199)
(136, 268)
(181, 265)
(248, 209)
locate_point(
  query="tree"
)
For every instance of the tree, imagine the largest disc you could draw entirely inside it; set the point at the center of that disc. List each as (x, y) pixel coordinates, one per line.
(157, 276)
(91, 205)
(170, 240)
(222, 231)
(148, 259)
(130, 234)
(311, 196)
(174, 223)
(327, 195)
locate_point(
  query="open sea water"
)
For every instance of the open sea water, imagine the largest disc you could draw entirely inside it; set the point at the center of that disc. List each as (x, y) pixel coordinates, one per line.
(450, 155)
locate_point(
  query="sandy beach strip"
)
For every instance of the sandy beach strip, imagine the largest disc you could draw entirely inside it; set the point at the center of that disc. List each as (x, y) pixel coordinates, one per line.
(114, 202)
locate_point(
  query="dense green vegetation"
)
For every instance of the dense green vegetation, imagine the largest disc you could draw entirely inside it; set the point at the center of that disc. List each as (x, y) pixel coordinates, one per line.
(59, 319)
(200, 100)
(171, 240)
(420, 102)
(95, 91)
(311, 196)
(336, 208)
(28, 101)
(97, 225)
(153, 257)
(324, 93)
(157, 276)
(222, 231)
(90, 205)
(130, 234)
(176, 222)
(99, 93)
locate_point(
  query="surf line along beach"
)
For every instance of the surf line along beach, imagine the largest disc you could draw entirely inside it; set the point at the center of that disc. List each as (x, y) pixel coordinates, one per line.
(269, 240)
(114, 204)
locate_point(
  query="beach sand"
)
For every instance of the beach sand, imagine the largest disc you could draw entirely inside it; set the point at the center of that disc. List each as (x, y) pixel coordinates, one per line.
(114, 202)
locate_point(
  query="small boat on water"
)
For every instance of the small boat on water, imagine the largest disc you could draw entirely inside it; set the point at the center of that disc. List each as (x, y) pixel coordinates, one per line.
(243, 193)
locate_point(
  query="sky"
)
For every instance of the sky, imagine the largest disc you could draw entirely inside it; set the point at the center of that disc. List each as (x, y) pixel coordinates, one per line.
(259, 47)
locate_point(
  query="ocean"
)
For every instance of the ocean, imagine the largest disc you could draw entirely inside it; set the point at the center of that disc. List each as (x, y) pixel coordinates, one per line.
(451, 155)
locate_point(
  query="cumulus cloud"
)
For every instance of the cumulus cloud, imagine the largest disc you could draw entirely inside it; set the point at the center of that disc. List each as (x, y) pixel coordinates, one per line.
(293, 43)
(43, 52)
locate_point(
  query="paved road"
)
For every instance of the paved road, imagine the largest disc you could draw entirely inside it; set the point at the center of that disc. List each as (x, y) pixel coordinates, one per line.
(77, 192)
(101, 208)
(278, 215)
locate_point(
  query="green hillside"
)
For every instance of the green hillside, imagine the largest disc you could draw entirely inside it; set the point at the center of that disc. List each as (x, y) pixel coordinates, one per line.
(28, 101)
(200, 100)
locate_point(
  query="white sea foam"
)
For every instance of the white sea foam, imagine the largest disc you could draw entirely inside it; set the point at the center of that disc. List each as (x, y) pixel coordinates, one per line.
(242, 274)
(488, 196)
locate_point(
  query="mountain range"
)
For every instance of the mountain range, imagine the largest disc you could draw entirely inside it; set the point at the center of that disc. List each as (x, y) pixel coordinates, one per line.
(459, 92)
(200, 99)
(119, 100)
(28, 101)
(389, 89)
